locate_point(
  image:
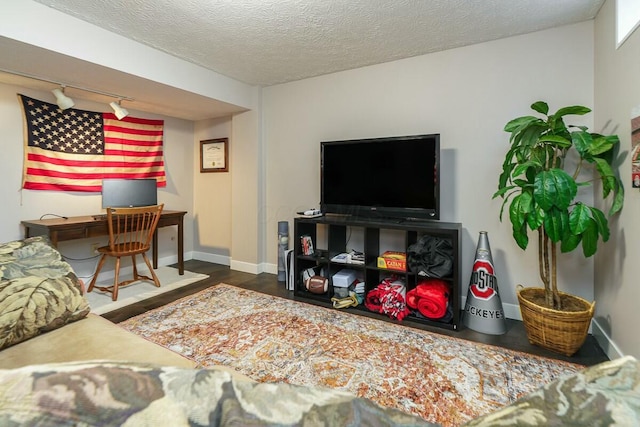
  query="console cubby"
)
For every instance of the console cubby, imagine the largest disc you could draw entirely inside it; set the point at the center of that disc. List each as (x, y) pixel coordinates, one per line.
(332, 235)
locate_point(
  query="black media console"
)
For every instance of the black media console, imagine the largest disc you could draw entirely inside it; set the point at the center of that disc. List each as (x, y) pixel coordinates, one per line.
(337, 231)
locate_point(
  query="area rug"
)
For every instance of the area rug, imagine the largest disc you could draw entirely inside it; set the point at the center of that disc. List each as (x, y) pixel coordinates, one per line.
(442, 379)
(101, 302)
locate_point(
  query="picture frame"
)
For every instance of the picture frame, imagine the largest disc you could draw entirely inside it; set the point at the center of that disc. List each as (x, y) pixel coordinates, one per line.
(214, 155)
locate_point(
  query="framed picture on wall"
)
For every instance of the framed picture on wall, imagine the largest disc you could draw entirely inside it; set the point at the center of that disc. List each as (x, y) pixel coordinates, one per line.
(214, 155)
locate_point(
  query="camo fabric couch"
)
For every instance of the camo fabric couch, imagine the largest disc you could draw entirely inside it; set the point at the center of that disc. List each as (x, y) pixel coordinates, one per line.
(114, 394)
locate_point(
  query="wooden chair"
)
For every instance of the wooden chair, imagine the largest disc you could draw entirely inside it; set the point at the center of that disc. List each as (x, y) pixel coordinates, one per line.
(130, 234)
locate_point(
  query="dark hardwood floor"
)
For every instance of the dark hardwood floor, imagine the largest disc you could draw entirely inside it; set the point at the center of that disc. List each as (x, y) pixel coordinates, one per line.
(514, 339)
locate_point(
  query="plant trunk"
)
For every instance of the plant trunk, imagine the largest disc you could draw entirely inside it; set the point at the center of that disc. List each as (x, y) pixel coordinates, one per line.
(557, 303)
(547, 257)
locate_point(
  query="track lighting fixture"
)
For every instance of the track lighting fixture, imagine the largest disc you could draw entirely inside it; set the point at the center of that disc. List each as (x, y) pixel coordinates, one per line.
(119, 110)
(63, 101)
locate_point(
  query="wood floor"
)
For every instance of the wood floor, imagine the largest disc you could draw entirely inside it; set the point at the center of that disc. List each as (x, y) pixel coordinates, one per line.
(514, 339)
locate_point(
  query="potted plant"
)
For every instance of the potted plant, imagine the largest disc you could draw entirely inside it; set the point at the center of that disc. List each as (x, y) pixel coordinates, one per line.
(539, 183)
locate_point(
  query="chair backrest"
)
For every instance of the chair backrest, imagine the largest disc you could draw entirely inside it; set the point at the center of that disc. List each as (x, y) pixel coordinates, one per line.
(131, 229)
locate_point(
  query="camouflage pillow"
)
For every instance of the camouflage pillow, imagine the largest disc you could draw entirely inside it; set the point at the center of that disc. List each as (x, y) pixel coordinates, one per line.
(39, 291)
(607, 394)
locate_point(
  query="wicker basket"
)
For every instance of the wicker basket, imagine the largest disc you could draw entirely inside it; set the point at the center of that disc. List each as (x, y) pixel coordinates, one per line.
(561, 331)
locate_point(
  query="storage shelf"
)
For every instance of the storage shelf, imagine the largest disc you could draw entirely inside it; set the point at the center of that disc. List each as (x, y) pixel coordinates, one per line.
(336, 227)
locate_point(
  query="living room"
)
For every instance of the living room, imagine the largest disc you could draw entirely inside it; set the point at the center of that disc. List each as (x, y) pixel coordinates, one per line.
(466, 94)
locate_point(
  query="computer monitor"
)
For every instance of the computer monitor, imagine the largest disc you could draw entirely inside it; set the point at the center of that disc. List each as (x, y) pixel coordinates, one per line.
(124, 193)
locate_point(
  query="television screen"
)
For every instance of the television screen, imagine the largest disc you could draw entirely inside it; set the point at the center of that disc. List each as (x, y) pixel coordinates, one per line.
(394, 177)
(124, 193)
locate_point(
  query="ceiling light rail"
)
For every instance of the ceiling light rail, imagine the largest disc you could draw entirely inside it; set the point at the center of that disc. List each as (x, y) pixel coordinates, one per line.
(64, 102)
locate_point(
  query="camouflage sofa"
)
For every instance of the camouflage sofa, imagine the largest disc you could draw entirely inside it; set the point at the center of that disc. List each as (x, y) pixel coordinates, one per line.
(113, 394)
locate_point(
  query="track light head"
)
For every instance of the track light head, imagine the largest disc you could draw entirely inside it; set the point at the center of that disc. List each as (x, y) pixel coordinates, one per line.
(119, 110)
(63, 101)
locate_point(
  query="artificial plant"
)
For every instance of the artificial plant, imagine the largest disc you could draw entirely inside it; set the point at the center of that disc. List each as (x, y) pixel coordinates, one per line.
(542, 192)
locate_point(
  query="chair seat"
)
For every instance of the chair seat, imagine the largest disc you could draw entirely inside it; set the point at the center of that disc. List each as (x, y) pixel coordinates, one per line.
(124, 249)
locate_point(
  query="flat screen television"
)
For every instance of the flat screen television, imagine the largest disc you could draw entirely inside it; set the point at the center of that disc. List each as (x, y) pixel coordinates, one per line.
(394, 177)
(125, 193)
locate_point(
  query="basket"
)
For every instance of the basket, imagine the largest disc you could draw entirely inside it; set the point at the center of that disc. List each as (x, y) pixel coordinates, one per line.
(563, 332)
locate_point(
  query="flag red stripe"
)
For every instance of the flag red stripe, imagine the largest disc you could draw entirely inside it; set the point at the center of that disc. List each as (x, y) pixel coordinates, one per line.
(61, 187)
(85, 175)
(94, 163)
(133, 131)
(111, 152)
(117, 141)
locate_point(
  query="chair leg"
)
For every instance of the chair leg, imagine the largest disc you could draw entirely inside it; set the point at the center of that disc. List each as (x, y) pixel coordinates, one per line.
(135, 268)
(115, 280)
(156, 281)
(95, 275)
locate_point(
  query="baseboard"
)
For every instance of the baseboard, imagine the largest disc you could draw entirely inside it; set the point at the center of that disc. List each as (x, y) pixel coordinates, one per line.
(269, 268)
(604, 340)
(245, 267)
(213, 258)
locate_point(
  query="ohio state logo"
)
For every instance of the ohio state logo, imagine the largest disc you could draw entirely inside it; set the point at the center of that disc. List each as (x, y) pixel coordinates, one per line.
(484, 284)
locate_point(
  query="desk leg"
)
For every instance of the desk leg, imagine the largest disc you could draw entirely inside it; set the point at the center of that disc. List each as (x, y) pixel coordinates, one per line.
(180, 247)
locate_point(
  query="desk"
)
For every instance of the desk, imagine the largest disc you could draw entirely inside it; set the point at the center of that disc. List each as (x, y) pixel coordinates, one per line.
(82, 227)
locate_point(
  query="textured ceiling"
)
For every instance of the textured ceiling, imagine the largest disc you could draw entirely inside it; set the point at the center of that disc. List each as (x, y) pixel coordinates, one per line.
(266, 42)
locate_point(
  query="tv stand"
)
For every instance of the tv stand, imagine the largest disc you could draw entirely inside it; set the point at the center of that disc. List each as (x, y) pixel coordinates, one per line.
(337, 230)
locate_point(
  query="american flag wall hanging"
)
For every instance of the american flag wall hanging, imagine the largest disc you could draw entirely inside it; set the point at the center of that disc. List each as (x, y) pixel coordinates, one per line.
(73, 150)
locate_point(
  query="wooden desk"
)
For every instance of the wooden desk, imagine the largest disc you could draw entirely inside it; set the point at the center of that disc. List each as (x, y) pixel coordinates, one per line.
(82, 227)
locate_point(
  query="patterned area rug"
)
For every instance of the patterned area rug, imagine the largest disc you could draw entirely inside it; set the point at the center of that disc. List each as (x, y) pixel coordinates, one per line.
(442, 379)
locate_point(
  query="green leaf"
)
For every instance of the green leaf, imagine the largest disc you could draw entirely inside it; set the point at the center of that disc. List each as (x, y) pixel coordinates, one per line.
(520, 123)
(601, 223)
(535, 218)
(557, 140)
(579, 219)
(522, 168)
(618, 200)
(520, 206)
(522, 183)
(569, 242)
(590, 240)
(582, 141)
(554, 187)
(521, 237)
(601, 145)
(556, 223)
(527, 137)
(502, 191)
(578, 110)
(541, 107)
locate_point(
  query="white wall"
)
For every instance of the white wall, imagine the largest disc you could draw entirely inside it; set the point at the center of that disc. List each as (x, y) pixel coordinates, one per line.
(467, 95)
(617, 91)
(31, 204)
(212, 198)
